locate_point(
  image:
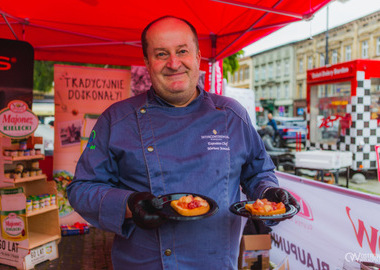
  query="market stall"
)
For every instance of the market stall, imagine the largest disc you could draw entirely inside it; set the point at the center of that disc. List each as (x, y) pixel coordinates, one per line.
(343, 110)
(108, 32)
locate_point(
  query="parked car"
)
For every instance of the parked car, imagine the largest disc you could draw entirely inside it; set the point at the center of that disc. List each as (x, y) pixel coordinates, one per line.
(287, 130)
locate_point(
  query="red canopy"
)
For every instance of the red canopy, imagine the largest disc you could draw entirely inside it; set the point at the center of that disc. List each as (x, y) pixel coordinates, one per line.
(108, 31)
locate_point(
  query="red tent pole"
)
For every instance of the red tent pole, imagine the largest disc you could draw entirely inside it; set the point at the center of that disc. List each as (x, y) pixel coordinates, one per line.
(9, 26)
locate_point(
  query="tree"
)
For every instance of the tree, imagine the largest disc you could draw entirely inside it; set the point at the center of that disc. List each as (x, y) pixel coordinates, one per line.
(231, 63)
(43, 75)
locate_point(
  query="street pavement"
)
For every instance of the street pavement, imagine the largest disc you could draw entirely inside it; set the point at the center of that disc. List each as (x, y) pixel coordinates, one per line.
(371, 186)
(370, 183)
(90, 251)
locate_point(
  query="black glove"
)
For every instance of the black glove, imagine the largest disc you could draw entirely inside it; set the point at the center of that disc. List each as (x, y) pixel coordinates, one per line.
(144, 213)
(275, 194)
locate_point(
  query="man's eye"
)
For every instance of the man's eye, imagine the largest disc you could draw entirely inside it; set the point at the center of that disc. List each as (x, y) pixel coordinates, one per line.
(182, 52)
(161, 54)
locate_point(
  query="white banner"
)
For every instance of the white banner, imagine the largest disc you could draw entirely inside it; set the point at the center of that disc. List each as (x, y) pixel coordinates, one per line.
(335, 228)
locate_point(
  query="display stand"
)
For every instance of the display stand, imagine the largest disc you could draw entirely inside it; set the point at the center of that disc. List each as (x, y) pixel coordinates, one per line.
(343, 110)
(41, 232)
(323, 162)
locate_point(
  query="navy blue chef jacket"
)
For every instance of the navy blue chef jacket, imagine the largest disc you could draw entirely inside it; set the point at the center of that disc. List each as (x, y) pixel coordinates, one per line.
(144, 144)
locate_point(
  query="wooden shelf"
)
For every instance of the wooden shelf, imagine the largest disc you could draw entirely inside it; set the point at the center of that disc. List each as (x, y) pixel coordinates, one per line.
(37, 239)
(42, 225)
(25, 179)
(21, 158)
(41, 211)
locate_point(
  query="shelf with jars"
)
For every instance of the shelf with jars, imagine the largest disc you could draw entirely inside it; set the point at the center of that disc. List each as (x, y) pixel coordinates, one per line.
(29, 211)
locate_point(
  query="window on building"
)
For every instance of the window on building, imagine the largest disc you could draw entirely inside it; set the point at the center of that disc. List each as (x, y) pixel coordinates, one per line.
(378, 46)
(375, 99)
(257, 74)
(334, 58)
(246, 73)
(241, 78)
(259, 93)
(263, 75)
(278, 69)
(321, 91)
(348, 53)
(322, 106)
(321, 60)
(300, 92)
(286, 67)
(270, 71)
(310, 62)
(365, 49)
(287, 92)
(263, 92)
(278, 92)
(300, 65)
(236, 76)
(271, 92)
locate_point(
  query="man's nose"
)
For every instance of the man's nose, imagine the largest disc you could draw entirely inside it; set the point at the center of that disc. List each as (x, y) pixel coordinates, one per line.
(173, 62)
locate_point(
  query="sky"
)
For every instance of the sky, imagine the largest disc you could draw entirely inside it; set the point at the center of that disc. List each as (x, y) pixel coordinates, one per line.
(339, 13)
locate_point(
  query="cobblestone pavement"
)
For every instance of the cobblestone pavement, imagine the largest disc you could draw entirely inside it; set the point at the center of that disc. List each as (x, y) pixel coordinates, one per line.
(90, 251)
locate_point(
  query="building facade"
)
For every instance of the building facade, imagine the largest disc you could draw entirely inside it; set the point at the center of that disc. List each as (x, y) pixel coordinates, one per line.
(271, 76)
(242, 78)
(274, 79)
(359, 39)
(278, 75)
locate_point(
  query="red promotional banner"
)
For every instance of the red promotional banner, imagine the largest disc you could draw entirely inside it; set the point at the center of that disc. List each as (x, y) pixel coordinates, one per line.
(343, 70)
(218, 82)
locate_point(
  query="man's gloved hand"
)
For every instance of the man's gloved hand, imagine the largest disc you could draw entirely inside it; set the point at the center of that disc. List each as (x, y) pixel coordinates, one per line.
(276, 194)
(144, 214)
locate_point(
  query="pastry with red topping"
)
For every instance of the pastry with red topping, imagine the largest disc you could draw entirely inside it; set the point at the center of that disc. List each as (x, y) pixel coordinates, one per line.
(190, 206)
(264, 207)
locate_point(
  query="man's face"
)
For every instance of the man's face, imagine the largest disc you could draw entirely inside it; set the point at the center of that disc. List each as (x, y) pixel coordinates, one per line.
(173, 61)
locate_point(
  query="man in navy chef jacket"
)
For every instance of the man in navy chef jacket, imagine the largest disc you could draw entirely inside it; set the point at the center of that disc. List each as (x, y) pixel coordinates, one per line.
(176, 138)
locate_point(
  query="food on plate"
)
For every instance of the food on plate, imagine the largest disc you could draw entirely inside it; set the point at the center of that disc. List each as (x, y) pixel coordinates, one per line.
(190, 206)
(264, 207)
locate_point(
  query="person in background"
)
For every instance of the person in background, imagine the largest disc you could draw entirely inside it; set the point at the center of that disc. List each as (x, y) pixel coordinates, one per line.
(272, 123)
(175, 138)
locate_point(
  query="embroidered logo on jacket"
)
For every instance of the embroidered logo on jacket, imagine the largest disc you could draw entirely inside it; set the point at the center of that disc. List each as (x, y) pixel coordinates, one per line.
(216, 142)
(90, 143)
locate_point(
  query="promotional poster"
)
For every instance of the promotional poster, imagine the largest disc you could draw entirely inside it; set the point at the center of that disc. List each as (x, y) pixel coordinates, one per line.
(81, 95)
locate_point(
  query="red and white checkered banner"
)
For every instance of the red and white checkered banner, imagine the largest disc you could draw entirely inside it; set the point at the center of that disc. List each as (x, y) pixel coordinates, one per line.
(217, 81)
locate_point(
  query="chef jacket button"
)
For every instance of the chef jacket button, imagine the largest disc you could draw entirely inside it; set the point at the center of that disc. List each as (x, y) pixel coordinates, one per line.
(150, 149)
(143, 110)
(168, 252)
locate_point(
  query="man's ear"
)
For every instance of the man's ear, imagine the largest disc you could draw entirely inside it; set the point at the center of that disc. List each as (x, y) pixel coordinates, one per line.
(199, 57)
(146, 61)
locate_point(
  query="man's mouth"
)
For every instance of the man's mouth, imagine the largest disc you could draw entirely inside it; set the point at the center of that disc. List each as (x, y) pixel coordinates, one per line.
(173, 75)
